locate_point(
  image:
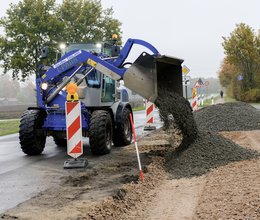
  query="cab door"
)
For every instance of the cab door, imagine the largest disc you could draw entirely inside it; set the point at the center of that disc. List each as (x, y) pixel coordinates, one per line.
(108, 89)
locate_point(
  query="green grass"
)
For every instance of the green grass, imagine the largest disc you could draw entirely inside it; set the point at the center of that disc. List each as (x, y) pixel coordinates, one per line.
(229, 99)
(139, 108)
(206, 103)
(9, 127)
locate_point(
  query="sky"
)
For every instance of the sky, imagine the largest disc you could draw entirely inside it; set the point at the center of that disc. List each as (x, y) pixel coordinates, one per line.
(189, 29)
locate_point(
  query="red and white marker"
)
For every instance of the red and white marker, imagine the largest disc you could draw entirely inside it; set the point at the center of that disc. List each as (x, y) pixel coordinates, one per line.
(136, 148)
(194, 98)
(149, 116)
(149, 112)
(74, 129)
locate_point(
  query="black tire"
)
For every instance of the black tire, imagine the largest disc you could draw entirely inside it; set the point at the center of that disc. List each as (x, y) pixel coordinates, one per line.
(100, 132)
(122, 134)
(60, 142)
(31, 135)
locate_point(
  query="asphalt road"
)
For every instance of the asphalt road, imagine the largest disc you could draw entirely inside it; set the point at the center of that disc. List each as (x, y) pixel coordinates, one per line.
(256, 105)
(22, 177)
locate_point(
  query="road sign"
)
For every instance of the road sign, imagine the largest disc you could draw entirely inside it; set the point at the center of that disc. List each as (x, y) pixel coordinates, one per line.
(196, 84)
(240, 77)
(186, 80)
(185, 70)
(200, 82)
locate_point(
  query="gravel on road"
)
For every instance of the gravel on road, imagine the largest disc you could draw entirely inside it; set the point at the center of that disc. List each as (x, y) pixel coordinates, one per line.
(237, 116)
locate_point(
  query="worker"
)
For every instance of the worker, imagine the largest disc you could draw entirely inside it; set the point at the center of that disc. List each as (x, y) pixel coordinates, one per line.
(221, 94)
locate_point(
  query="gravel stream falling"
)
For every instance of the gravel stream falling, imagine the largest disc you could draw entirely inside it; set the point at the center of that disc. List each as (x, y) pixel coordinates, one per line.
(174, 109)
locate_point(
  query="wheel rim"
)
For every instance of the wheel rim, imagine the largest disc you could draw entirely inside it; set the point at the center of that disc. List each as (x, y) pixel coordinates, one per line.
(127, 129)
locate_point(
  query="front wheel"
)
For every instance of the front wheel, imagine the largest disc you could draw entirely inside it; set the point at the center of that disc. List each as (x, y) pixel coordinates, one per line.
(31, 135)
(100, 132)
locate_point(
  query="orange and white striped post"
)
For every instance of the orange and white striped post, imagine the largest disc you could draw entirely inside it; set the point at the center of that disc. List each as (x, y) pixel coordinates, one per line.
(194, 98)
(74, 129)
(149, 110)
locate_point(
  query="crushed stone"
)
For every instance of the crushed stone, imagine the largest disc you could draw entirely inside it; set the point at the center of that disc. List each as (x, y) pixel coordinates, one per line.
(208, 151)
(237, 116)
(176, 110)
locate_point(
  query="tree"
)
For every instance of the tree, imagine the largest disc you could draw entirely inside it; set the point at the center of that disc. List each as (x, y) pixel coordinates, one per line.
(226, 73)
(31, 24)
(28, 26)
(86, 21)
(242, 48)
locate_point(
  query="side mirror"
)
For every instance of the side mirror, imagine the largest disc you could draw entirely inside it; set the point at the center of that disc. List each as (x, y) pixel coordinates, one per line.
(44, 53)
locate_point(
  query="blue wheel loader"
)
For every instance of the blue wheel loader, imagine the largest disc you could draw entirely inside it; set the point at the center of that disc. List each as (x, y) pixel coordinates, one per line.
(95, 68)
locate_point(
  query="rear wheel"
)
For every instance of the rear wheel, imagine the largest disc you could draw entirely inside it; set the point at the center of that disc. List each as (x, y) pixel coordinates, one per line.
(100, 132)
(31, 135)
(122, 135)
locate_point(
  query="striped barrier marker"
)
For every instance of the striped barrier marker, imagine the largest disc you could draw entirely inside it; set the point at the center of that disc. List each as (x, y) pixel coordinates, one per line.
(149, 108)
(74, 129)
(194, 98)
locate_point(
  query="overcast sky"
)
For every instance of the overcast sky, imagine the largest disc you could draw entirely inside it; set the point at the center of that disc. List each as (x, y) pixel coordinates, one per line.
(189, 29)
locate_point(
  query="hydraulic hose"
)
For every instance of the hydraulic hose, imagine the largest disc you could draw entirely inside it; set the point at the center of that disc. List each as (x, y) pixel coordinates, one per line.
(62, 85)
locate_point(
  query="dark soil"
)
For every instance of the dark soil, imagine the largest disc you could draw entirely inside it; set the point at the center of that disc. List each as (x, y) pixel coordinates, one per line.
(208, 151)
(236, 116)
(175, 109)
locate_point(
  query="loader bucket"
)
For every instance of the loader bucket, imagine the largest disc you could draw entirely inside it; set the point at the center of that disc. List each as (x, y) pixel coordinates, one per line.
(149, 75)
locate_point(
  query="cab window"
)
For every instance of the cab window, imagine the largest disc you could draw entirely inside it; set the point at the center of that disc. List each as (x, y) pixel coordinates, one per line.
(108, 89)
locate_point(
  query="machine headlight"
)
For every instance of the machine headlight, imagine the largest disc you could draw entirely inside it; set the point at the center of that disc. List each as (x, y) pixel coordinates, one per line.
(44, 86)
(98, 45)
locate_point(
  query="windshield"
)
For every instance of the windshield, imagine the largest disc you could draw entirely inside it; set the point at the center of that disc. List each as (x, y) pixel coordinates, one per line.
(90, 47)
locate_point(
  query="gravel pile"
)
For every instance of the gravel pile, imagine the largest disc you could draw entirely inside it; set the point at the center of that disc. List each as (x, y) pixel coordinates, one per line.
(176, 110)
(208, 151)
(228, 117)
(202, 149)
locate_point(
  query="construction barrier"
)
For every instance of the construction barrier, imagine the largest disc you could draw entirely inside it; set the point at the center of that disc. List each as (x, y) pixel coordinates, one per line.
(74, 129)
(149, 110)
(194, 103)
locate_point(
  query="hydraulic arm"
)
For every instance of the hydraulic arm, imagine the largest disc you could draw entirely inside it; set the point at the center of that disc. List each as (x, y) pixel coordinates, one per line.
(146, 76)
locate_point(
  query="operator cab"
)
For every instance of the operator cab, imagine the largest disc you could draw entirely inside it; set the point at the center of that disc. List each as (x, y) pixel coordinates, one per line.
(97, 89)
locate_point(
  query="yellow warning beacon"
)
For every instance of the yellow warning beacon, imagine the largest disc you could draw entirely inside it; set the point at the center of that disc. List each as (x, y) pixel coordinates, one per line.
(72, 89)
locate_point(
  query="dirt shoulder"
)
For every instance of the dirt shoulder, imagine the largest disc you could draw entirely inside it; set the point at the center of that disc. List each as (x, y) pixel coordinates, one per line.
(233, 191)
(108, 190)
(111, 190)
